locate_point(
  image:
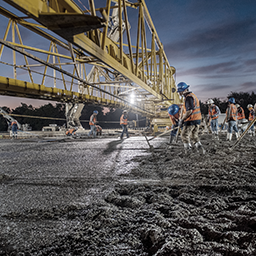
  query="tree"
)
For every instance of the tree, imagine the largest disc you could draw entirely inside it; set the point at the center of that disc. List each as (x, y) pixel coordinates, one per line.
(3, 121)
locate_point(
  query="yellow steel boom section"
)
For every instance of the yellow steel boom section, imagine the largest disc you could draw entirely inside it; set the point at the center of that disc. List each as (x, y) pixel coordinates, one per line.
(98, 36)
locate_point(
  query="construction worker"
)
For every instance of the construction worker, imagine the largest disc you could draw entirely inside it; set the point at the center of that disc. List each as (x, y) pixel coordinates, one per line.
(213, 115)
(92, 123)
(191, 119)
(98, 130)
(174, 114)
(231, 118)
(72, 131)
(14, 127)
(124, 123)
(240, 117)
(250, 118)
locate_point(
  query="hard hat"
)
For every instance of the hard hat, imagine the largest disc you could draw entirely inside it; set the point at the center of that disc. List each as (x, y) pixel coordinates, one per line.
(182, 87)
(173, 109)
(95, 112)
(125, 111)
(210, 101)
(231, 100)
(237, 105)
(249, 106)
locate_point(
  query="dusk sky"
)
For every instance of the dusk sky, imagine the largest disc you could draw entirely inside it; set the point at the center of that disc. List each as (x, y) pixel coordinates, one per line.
(211, 43)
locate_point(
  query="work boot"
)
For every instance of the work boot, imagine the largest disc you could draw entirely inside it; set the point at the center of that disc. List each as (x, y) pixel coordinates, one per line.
(200, 146)
(237, 135)
(171, 139)
(187, 148)
(216, 136)
(229, 136)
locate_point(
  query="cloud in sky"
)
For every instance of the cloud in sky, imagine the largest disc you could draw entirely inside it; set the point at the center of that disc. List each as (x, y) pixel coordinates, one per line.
(222, 40)
(210, 43)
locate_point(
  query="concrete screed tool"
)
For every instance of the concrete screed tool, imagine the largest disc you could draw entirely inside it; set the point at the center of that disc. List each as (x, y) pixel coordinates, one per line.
(243, 134)
(161, 134)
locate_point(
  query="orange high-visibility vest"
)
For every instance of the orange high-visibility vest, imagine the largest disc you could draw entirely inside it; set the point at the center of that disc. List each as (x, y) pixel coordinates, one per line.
(93, 120)
(212, 112)
(231, 112)
(123, 120)
(173, 117)
(251, 114)
(241, 115)
(196, 114)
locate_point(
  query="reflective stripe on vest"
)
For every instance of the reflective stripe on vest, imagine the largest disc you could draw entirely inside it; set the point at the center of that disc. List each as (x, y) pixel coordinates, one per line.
(92, 120)
(123, 120)
(212, 112)
(231, 112)
(240, 115)
(196, 113)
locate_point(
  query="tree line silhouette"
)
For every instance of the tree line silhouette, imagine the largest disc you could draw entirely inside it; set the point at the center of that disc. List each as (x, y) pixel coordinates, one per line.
(241, 98)
(107, 120)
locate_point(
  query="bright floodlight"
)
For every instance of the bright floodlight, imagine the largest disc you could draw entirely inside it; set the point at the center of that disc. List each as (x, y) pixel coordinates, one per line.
(132, 97)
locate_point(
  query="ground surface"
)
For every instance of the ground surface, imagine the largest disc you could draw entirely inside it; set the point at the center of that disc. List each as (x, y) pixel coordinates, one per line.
(107, 197)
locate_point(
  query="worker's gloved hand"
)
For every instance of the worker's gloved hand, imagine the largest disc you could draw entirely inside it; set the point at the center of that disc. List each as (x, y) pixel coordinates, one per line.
(181, 122)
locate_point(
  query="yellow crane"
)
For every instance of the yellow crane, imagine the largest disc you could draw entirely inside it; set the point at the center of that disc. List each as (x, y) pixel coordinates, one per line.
(109, 55)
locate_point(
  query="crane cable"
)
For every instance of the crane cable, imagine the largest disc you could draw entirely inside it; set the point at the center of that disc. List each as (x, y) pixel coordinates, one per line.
(64, 119)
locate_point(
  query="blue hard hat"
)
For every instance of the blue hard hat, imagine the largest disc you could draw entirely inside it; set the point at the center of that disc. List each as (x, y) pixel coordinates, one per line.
(182, 87)
(95, 112)
(173, 109)
(232, 100)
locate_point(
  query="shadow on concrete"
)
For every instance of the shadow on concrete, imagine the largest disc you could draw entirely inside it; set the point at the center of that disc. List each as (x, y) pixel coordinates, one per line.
(111, 146)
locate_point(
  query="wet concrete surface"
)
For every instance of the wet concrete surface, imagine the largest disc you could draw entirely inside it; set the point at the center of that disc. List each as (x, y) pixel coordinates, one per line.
(111, 197)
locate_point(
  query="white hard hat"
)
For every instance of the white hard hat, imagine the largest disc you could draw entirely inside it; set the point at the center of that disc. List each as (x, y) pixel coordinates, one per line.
(249, 106)
(237, 105)
(210, 101)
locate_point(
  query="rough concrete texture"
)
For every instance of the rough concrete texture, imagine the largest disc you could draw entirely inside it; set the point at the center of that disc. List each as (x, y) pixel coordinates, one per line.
(112, 197)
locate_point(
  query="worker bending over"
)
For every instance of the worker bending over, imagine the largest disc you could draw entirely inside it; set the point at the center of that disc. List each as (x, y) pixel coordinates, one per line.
(191, 118)
(124, 123)
(250, 118)
(98, 130)
(72, 131)
(174, 112)
(231, 118)
(92, 123)
(213, 116)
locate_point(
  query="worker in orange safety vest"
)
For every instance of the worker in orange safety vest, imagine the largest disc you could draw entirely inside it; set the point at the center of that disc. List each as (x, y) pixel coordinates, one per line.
(240, 116)
(98, 130)
(191, 119)
(231, 118)
(71, 131)
(174, 112)
(250, 118)
(14, 127)
(124, 124)
(92, 123)
(213, 115)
